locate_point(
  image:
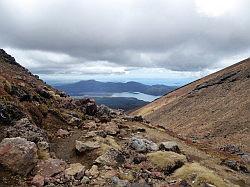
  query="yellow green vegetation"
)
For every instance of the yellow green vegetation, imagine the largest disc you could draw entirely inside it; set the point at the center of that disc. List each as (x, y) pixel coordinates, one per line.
(166, 159)
(126, 176)
(107, 143)
(199, 175)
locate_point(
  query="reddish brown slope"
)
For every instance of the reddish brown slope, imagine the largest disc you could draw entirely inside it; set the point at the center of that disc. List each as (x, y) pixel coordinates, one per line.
(214, 110)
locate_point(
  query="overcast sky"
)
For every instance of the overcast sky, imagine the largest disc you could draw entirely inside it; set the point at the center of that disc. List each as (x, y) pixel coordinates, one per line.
(169, 41)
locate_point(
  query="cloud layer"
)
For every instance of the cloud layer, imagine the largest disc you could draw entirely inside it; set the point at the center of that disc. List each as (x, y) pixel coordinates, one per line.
(74, 36)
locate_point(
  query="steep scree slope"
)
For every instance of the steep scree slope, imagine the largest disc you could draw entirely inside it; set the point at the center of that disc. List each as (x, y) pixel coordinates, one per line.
(213, 111)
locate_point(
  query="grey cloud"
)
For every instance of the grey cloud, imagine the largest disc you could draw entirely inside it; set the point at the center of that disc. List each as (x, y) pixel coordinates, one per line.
(163, 33)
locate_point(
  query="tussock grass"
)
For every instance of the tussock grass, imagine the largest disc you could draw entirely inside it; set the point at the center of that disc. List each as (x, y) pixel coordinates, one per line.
(165, 159)
(198, 175)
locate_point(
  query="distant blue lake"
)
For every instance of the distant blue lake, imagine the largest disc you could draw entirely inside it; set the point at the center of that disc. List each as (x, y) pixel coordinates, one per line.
(137, 95)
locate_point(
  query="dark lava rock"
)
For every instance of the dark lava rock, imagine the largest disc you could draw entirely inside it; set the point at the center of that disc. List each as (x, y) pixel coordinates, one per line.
(169, 146)
(25, 129)
(139, 158)
(171, 168)
(9, 113)
(44, 93)
(234, 165)
(138, 118)
(232, 149)
(91, 108)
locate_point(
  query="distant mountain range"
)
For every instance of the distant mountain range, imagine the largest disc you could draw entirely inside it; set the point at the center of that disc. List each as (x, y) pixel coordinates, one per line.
(82, 87)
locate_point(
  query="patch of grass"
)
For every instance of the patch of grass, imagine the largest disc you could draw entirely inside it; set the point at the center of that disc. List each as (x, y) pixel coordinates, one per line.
(106, 144)
(166, 159)
(198, 175)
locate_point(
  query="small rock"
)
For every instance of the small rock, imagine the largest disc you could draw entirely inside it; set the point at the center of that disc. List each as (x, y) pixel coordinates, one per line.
(75, 121)
(85, 180)
(231, 164)
(86, 146)
(62, 133)
(143, 145)
(139, 158)
(232, 149)
(75, 169)
(111, 129)
(18, 154)
(91, 108)
(90, 134)
(90, 125)
(92, 172)
(37, 181)
(140, 129)
(44, 93)
(118, 182)
(208, 185)
(50, 167)
(104, 119)
(137, 118)
(169, 146)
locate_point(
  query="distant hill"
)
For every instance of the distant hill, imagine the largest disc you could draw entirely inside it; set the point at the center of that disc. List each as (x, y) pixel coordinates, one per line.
(125, 103)
(81, 87)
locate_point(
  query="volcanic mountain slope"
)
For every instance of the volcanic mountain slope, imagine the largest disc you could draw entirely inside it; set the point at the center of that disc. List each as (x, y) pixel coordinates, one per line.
(49, 139)
(213, 111)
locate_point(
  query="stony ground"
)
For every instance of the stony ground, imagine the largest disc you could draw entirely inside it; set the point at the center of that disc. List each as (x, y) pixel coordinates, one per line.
(49, 139)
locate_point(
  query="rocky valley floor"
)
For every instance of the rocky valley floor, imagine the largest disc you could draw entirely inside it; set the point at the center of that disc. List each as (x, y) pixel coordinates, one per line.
(49, 139)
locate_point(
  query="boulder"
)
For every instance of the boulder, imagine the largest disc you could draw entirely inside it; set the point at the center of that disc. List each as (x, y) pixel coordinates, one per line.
(169, 146)
(105, 114)
(111, 157)
(103, 110)
(50, 167)
(75, 169)
(9, 113)
(143, 145)
(25, 129)
(167, 162)
(18, 155)
(86, 146)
